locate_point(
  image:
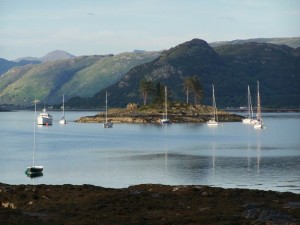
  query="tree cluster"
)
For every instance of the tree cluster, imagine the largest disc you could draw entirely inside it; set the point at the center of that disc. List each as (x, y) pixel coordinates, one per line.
(155, 91)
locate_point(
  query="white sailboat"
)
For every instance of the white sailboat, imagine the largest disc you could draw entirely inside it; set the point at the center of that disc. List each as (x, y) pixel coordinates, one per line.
(249, 118)
(259, 122)
(213, 122)
(63, 120)
(107, 123)
(165, 119)
(34, 170)
(44, 118)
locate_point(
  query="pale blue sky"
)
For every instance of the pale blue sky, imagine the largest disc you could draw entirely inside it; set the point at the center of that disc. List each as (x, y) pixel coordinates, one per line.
(36, 27)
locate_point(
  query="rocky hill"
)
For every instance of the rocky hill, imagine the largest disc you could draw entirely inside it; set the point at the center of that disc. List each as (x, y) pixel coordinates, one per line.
(56, 55)
(230, 68)
(6, 65)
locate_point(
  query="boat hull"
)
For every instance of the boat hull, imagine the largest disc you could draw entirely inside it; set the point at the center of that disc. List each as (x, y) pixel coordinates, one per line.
(165, 121)
(34, 170)
(62, 121)
(247, 121)
(41, 120)
(212, 123)
(258, 125)
(253, 122)
(108, 125)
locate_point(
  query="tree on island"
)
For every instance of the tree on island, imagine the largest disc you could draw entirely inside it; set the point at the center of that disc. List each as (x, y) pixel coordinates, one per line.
(159, 93)
(146, 87)
(193, 85)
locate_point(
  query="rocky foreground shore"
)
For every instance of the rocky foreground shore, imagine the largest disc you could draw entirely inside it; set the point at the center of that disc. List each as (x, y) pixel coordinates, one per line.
(177, 114)
(145, 204)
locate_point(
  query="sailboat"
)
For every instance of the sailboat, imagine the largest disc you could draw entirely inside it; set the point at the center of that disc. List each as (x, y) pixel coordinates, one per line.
(213, 122)
(259, 123)
(63, 120)
(107, 123)
(165, 119)
(34, 171)
(249, 118)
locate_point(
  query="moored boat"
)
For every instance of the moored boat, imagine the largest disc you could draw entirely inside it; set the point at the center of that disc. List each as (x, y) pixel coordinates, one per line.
(63, 120)
(259, 123)
(34, 171)
(165, 119)
(213, 122)
(44, 118)
(249, 118)
(107, 124)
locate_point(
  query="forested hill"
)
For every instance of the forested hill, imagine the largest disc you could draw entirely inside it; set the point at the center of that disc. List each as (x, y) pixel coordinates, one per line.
(230, 68)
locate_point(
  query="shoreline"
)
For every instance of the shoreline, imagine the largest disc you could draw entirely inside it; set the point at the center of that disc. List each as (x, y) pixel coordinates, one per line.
(145, 204)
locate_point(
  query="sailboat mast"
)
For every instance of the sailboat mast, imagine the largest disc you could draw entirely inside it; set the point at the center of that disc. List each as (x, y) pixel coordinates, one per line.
(258, 103)
(106, 107)
(166, 103)
(248, 101)
(64, 106)
(214, 102)
(250, 104)
(34, 125)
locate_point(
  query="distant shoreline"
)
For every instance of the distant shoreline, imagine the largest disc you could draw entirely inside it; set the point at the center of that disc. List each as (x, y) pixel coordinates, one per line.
(263, 110)
(279, 110)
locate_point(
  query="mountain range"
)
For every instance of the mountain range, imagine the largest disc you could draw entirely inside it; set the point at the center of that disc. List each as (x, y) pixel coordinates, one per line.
(77, 76)
(51, 56)
(230, 66)
(6, 65)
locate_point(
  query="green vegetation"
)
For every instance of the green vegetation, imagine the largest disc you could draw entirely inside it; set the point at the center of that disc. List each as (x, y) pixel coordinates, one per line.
(193, 85)
(187, 69)
(230, 68)
(81, 76)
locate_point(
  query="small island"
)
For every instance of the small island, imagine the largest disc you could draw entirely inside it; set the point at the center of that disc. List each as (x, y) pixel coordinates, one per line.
(177, 113)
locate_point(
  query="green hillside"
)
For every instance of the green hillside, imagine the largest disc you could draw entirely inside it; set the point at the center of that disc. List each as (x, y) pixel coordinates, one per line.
(231, 68)
(104, 73)
(81, 76)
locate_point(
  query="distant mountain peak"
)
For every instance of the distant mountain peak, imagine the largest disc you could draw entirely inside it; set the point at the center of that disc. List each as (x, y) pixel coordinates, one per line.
(56, 55)
(190, 51)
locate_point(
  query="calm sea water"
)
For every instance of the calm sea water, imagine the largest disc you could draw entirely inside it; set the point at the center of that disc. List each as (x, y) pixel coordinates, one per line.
(233, 155)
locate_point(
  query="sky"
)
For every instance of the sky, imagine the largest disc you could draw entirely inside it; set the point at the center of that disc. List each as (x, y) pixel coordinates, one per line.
(96, 27)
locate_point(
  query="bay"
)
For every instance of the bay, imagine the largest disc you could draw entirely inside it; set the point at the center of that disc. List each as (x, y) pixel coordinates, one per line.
(232, 155)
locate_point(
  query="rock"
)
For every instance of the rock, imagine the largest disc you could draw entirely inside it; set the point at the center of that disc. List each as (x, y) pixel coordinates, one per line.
(132, 106)
(8, 205)
(145, 204)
